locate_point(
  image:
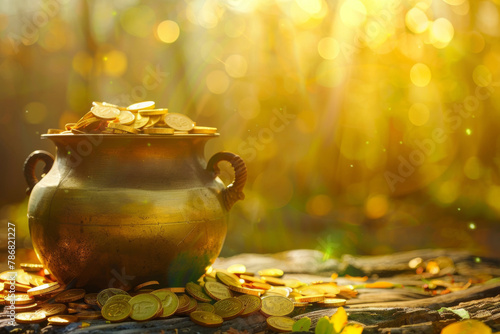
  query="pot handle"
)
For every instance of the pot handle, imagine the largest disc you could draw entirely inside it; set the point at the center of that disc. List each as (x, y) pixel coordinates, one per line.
(30, 164)
(234, 191)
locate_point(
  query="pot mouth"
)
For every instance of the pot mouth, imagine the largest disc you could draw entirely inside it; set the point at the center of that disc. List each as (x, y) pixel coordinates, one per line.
(128, 136)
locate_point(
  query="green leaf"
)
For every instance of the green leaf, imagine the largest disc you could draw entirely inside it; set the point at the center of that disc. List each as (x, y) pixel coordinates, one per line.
(324, 326)
(302, 325)
(462, 313)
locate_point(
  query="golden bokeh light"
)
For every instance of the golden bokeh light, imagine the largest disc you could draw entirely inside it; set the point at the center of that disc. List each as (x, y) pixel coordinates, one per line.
(236, 66)
(217, 82)
(249, 107)
(482, 76)
(328, 48)
(309, 6)
(114, 63)
(376, 206)
(138, 21)
(420, 75)
(442, 31)
(416, 20)
(319, 205)
(418, 114)
(168, 31)
(353, 13)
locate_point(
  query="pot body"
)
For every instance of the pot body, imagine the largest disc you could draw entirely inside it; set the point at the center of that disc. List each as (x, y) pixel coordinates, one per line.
(119, 210)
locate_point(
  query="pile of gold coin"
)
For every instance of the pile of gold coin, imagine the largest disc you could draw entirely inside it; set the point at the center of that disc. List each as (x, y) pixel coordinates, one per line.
(138, 118)
(220, 295)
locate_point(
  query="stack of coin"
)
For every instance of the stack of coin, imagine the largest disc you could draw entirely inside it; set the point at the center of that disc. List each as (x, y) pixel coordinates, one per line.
(138, 118)
(220, 295)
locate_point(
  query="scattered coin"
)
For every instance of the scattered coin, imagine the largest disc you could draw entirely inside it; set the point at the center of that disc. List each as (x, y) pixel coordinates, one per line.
(229, 308)
(205, 307)
(206, 319)
(52, 309)
(70, 295)
(217, 290)
(169, 302)
(252, 304)
(30, 317)
(144, 306)
(280, 324)
(62, 320)
(43, 289)
(105, 294)
(196, 291)
(276, 305)
(116, 310)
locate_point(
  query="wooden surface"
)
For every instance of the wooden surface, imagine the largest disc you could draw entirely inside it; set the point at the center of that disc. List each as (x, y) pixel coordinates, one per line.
(405, 310)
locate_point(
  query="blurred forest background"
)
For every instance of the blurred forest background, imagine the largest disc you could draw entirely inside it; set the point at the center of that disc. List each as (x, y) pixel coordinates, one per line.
(367, 126)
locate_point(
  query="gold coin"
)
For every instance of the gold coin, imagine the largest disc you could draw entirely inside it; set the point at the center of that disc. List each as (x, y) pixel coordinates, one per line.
(319, 289)
(205, 307)
(196, 291)
(174, 289)
(190, 308)
(145, 284)
(206, 319)
(280, 324)
(52, 309)
(311, 298)
(140, 121)
(229, 308)
(251, 304)
(273, 281)
(83, 306)
(25, 307)
(117, 310)
(293, 283)
(169, 302)
(105, 294)
(37, 280)
(88, 315)
(23, 278)
(184, 301)
(90, 298)
(10, 275)
(141, 105)
(257, 285)
(217, 290)
(69, 126)
(153, 120)
(300, 304)
(126, 117)
(248, 291)
(19, 299)
(276, 305)
(278, 291)
(144, 306)
(204, 130)
(118, 126)
(22, 287)
(234, 268)
(118, 297)
(70, 295)
(271, 272)
(181, 132)
(332, 302)
(106, 104)
(178, 122)
(30, 318)
(252, 279)
(153, 112)
(44, 288)
(105, 112)
(228, 278)
(158, 131)
(62, 320)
